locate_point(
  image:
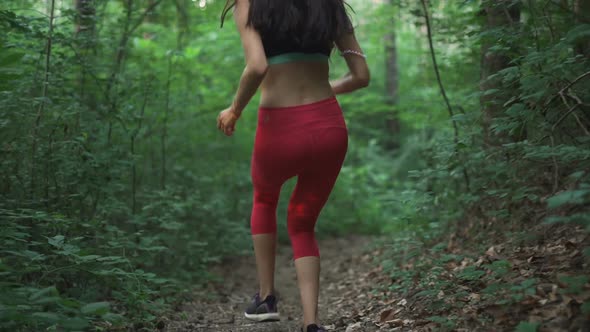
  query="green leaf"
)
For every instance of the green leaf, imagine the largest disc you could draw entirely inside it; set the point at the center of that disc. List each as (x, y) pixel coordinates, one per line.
(427, 293)
(88, 258)
(491, 289)
(75, 324)
(96, 308)
(447, 322)
(45, 292)
(459, 117)
(9, 57)
(113, 318)
(575, 283)
(528, 282)
(527, 327)
(471, 273)
(568, 197)
(47, 316)
(491, 92)
(579, 31)
(516, 110)
(581, 218)
(56, 241)
(577, 175)
(500, 268)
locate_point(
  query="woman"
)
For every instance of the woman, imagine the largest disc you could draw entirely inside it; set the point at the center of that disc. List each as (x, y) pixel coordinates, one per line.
(301, 131)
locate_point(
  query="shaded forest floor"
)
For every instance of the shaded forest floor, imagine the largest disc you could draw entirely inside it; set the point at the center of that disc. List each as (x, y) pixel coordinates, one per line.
(534, 283)
(344, 268)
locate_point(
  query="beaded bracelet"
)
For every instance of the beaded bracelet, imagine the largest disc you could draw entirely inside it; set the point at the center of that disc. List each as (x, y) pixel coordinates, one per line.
(345, 52)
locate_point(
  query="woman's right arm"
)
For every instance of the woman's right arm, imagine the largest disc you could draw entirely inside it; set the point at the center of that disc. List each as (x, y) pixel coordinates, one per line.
(358, 75)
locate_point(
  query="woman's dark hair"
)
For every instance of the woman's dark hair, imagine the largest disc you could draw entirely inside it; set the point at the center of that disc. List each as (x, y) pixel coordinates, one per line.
(305, 22)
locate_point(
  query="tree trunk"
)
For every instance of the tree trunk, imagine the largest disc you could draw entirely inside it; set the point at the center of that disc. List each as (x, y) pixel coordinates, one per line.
(391, 85)
(85, 22)
(164, 137)
(499, 14)
(582, 10)
(183, 23)
(44, 96)
(85, 29)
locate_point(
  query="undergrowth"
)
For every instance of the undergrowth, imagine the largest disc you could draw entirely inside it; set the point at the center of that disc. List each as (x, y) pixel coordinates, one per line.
(533, 179)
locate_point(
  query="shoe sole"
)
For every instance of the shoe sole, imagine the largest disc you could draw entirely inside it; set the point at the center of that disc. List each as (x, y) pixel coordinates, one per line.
(273, 316)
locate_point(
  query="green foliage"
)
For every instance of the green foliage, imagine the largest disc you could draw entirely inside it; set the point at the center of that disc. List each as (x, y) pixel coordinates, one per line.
(471, 273)
(447, 323)
(527, 327)
(109, 209)
(117, 192)
(541, 162)
(499, 268)
(575, 284)
(472, 187)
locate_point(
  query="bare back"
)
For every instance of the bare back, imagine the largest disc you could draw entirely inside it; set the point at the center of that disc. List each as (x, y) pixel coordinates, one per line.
(295, 83)
(292, 83)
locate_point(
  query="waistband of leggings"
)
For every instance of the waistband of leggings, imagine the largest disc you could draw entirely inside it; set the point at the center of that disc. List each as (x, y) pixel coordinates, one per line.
(305, 107)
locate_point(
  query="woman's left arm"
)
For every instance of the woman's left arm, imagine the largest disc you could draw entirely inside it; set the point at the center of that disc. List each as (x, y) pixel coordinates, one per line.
(256, 67)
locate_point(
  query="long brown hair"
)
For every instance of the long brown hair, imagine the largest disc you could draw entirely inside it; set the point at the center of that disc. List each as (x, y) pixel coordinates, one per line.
(302, 21)
(229, 4)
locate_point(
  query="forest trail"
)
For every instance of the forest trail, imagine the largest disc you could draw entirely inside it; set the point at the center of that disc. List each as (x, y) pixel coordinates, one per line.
(117, 190)
(539, 283)
(343, 295)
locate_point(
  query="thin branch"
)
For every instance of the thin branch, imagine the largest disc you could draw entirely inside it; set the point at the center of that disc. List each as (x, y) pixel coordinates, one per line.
(121, 48)
(573, 108)
(127, 32)
(440, 84)
(165, 124)
(579, 103)
(581, 124)
(534, 21)
(570, 111)
(569, 85)
(147, 11)
(575, 81)
(579, 17)
(133, 138)
(547, 16)
(41, 108)
(442, 88)
(555, 167)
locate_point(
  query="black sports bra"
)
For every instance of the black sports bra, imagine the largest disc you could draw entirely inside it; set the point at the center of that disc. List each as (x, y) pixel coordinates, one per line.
(281, 51)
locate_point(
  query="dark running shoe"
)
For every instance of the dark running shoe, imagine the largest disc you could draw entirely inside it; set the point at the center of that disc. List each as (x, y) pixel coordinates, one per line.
(262, 311)
(314, 328)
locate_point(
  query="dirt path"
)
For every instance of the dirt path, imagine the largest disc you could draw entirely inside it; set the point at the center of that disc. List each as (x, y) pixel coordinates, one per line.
(345, 264)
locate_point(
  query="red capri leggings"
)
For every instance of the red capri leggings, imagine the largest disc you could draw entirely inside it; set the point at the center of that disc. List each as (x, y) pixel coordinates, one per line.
(310, 142)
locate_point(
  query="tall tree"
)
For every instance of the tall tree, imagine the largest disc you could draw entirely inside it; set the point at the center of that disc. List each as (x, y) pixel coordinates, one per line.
(500, 15)
(85, 20)
(582, 10)
(85, 29)
(42, 104)
(391, 80)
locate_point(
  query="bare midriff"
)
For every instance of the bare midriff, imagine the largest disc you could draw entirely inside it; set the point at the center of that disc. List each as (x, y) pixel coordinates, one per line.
(295, 83)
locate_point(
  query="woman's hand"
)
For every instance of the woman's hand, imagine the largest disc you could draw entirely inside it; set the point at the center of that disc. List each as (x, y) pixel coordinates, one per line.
(226, 121)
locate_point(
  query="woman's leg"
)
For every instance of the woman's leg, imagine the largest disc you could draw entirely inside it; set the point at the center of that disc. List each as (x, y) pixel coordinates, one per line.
(308, 280)
(313, 188)
(303, 211)
(265, 249)
(263, 224)
(275, 159)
